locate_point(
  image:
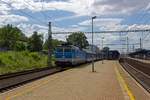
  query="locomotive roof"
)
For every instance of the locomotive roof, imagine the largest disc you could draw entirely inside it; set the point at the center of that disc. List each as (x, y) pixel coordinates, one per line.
(71, 46)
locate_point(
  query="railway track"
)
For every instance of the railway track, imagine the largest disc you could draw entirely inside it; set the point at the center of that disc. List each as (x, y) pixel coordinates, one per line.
(11, 80)
(138, 70)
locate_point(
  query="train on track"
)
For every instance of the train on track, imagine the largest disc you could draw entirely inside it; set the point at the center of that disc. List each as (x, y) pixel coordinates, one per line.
(72, 55)
(113, 55)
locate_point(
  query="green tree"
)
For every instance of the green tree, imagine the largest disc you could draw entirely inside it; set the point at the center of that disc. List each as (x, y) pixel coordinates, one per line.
(35, 42)
(9, 36)
(105, 51)
(55, 43)
(78, 39)
(20, 46)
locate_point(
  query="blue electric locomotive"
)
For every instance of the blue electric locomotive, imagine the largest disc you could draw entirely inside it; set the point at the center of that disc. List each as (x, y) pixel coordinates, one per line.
(69, 55)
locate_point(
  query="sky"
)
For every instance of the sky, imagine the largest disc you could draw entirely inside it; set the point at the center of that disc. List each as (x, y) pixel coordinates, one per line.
(75, 15)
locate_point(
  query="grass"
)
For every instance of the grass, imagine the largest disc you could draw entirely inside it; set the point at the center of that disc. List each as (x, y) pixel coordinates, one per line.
(19, 61)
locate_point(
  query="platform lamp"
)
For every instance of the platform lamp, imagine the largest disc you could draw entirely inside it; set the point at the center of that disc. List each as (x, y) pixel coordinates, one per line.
(94, 17)
(102, 50)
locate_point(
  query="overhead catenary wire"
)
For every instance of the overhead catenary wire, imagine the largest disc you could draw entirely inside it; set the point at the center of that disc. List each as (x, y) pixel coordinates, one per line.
(123, 44)
(121, 31)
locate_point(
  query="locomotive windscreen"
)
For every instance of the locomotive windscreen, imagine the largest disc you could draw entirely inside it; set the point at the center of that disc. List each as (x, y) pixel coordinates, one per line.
(63, 49)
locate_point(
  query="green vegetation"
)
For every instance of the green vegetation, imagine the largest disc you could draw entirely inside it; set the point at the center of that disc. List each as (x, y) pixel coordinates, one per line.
(19, 52)
(12, 38)
(55, 43)
(19, 61)
(78, 39)
(35, 42)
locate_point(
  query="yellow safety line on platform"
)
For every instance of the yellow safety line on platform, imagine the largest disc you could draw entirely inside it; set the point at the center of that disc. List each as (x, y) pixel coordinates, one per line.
(123, 83)
(26, 91)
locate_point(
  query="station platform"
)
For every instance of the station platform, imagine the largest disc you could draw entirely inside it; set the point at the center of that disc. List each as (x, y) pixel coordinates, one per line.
(109, 82)
(141, 60)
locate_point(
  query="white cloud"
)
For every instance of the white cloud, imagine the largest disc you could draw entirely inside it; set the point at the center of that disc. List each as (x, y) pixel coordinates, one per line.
(4, 9)
(78, 7)
(82, 7)
(137, 26)
(28, 29)
(103, 7)
(106, 23)
(103, 21)
(67, 17)
(7, 19)
(148, 7)
(69, 29)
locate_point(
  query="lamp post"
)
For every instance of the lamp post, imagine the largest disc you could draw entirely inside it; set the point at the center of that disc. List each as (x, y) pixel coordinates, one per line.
(94, 17)
(49, 46)
(102, 51)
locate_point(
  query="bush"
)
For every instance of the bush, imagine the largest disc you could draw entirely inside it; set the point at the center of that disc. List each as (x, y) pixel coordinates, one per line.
(18, 61)
(2, 63)
(35, 56)
(20, 46)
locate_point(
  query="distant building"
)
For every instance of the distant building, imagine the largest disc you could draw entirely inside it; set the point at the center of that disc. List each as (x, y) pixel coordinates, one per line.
(142, 54)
